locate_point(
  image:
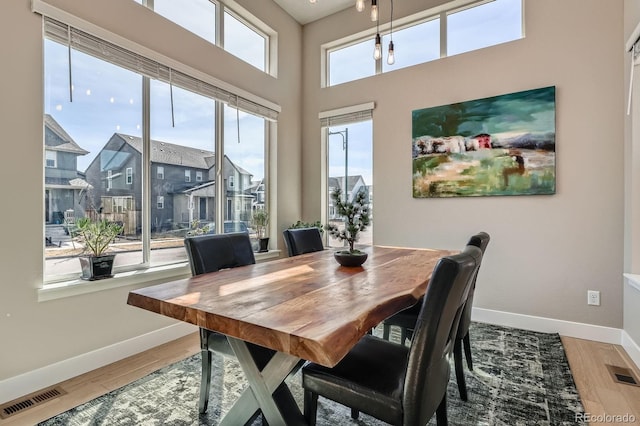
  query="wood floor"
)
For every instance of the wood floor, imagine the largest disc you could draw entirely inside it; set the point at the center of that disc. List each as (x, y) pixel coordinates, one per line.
(601, 396)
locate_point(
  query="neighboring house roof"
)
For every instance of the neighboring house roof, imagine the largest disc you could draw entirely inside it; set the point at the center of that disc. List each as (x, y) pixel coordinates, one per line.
(197, 187)
(77, 183)
(337, 182)
(68, 144)
(168, 153)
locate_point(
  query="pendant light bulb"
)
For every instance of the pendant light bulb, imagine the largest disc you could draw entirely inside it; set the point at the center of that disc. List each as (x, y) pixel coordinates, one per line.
(377, 51)
(359, 5)
(391, 59)
(374, 10)
(312, 1)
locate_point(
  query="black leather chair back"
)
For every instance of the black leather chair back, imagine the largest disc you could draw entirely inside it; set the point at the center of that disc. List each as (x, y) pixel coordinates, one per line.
(210, 253)
(302, 240)
(480, 240)
(434, 335)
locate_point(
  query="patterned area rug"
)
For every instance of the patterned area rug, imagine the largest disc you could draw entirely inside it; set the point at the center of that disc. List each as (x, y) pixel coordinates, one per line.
(519, 378)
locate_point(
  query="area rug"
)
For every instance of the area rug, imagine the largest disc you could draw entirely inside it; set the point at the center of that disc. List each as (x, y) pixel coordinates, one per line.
(519, 378)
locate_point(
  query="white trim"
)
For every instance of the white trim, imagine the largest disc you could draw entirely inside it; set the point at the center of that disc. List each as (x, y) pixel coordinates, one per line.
(32, 381)
(42, 8)
(347, 110)
(633, 280)
(549, 325)
(631, 347)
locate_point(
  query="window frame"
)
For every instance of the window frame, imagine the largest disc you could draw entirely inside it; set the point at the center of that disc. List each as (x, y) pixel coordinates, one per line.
(257, 106)
(440, 12)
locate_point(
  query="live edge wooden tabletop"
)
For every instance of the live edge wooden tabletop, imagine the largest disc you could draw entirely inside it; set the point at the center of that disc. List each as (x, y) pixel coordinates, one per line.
(307, 306)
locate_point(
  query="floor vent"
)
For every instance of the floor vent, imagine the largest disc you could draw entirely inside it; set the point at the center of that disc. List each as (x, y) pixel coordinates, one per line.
(20, 405)
(623, 375)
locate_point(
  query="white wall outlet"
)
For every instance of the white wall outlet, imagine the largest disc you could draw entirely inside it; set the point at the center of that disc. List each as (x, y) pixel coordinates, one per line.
(593, 297)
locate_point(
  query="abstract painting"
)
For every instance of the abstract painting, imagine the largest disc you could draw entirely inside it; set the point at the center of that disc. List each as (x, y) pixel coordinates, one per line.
(502, 145)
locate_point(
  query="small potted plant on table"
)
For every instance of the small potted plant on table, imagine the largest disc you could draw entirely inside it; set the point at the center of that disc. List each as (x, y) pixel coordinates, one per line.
(96, 237)
(356, 217)
(260, 220)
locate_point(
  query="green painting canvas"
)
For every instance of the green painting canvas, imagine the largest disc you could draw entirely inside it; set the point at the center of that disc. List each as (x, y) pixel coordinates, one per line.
(503, 145)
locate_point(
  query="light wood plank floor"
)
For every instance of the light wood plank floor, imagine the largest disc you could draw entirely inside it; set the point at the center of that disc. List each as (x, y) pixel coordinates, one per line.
(600, 394)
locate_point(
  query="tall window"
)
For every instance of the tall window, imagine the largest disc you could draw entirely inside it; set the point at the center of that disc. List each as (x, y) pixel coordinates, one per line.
(98, 122)
(479, 25)
(349, 168)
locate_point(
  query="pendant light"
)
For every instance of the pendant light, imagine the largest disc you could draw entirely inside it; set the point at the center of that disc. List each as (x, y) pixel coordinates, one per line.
(391, 58)
(377, 50)
(359, 5)
(374, 10)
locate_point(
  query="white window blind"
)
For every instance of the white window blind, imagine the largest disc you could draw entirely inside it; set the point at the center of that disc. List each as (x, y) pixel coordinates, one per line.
(353, 114)
(109, 52)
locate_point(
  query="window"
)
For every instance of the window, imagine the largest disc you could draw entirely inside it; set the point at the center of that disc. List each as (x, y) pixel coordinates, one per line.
(245, 42)
(349, 164)
(474, 26)
(99, 117)
(231, 181)
(481, 26)
(197, 16)
(244, 36)
(50, 157)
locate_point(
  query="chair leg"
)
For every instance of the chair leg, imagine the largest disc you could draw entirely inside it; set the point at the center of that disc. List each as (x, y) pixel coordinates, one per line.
(457, 357)
(386, 328)
(310, 407)
(355, 414)
(441, 412)
(467, 350)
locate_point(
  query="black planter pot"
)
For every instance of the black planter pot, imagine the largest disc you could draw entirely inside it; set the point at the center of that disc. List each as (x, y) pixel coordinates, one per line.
(345, 258)
(96, 267)
(263, 245)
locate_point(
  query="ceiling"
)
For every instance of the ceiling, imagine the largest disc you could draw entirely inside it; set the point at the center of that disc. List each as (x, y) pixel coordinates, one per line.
(304, 12)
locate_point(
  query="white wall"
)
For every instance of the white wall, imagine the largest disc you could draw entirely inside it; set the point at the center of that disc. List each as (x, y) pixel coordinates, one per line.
(546, 251)
(36, 334)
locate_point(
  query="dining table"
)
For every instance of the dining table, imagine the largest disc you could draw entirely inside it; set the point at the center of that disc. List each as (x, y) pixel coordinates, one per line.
(305, 307)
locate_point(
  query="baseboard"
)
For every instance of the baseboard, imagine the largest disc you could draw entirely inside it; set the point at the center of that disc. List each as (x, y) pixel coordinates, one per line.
(35, 380)
(32, 381)
(631, 347)
(549, 325)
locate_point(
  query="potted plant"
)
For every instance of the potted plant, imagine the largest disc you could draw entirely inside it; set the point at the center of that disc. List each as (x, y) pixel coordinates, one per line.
(356, 219)
(260, 220)
(300, 224)
(96, 236)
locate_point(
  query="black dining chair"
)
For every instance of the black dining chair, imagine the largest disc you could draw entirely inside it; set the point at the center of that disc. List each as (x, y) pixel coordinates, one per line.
(397, 384)
(480, 240)
(302, 240)
(406, 320)
(211, 253)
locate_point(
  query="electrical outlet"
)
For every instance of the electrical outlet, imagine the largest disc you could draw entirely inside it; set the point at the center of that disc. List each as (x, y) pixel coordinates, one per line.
(593, 297)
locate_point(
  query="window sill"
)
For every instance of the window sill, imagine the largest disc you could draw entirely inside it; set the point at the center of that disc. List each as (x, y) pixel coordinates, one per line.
(155, 274)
